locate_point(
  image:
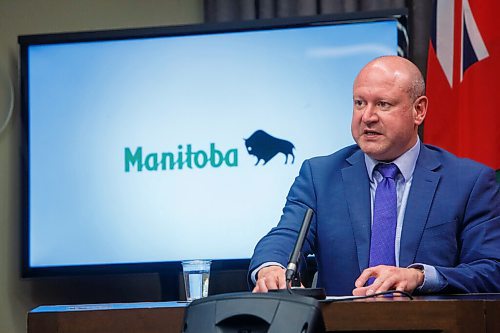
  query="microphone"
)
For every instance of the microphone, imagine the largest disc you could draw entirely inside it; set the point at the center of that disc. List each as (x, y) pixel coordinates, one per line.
(291, 269)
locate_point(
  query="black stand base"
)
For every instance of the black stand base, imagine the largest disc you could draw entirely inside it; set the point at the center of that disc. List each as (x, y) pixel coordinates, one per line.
(317, 293)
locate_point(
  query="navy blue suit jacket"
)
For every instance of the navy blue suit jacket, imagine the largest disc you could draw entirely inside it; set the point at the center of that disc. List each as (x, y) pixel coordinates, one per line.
(452, 221)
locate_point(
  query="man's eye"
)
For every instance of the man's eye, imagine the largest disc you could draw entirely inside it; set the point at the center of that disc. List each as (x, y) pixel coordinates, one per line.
(384, 105)
(358, 102)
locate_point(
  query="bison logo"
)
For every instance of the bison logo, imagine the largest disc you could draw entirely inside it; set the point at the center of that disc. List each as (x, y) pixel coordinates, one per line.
(265, 147)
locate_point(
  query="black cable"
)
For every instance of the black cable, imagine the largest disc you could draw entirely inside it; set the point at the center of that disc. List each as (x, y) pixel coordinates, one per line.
(289, 287)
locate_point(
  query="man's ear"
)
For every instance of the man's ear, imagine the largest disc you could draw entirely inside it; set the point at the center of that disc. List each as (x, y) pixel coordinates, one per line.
(420, 109)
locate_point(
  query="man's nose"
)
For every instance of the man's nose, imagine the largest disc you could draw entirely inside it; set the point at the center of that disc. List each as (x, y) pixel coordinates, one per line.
(369, 114)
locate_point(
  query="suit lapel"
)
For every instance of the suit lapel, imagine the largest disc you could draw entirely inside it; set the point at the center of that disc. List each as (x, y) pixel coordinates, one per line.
(357, 192)
(423, 188)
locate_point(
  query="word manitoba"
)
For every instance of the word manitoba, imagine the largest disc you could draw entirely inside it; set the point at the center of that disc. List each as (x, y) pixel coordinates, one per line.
(183, 158)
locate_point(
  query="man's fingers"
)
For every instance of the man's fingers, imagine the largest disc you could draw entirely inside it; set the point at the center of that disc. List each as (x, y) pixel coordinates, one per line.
(376, 286)
(267, 283)
(271, 277)
(260, 286)
(400, 287)
(365, 275)
(387, 278)
(361, 291)
(272, 282)
(374, 273)
(281, 281)
(386, 283)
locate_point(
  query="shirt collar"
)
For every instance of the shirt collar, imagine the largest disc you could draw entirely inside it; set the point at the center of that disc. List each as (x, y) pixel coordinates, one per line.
(406, 162)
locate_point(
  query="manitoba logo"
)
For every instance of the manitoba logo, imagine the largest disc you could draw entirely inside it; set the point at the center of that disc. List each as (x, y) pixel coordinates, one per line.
(260, 144)
(265, 146)
(182, 158)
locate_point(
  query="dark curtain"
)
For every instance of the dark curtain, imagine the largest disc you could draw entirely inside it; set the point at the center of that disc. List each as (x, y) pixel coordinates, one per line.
(419, 15)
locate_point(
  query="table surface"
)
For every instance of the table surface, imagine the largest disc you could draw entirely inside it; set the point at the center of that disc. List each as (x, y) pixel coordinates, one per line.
(333, 299)
(444, 313)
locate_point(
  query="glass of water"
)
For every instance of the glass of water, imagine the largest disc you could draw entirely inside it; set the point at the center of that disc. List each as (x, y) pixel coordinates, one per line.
(196, 275)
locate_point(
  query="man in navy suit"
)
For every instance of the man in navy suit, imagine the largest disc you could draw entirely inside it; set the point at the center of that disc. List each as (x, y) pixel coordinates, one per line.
(447, 234)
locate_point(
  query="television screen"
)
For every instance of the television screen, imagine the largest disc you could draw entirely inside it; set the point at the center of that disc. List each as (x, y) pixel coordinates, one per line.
(159, 145)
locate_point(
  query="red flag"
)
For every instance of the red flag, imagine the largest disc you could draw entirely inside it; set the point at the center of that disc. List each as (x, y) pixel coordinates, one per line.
(463, 80)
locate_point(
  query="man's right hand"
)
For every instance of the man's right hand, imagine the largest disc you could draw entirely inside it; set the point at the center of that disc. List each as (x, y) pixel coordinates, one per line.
(270, 277)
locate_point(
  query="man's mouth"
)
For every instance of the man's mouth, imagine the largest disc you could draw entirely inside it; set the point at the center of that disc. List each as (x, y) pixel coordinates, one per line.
(370, 133)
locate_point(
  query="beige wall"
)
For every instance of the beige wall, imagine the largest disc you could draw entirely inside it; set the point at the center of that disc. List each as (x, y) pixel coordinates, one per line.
(19, 17)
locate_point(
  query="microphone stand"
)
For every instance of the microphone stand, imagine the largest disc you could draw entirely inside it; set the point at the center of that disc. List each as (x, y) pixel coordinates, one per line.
(291, 274)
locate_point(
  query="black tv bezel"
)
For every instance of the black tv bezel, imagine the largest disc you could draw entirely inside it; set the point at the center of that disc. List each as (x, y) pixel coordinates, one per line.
(25, 41)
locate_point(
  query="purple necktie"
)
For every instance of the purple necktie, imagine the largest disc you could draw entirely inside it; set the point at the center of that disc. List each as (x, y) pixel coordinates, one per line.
(385, 215)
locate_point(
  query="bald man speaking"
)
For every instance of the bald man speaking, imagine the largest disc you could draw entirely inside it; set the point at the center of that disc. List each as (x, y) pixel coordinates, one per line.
(391, 213)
